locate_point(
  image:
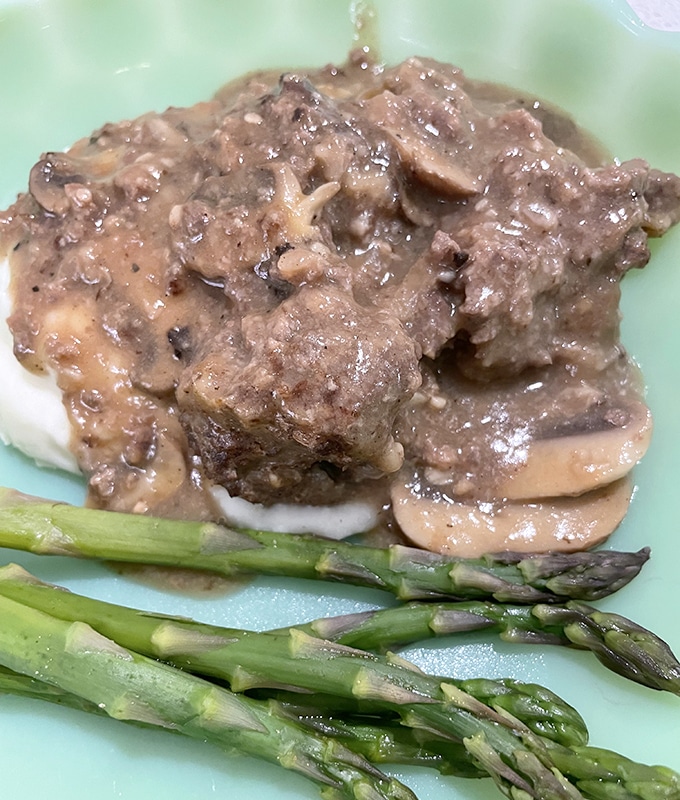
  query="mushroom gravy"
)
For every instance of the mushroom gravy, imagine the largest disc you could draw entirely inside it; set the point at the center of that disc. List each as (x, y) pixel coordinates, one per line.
(396, 283)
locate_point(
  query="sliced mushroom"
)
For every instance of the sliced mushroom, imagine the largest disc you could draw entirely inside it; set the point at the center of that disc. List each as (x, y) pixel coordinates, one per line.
(434, 168)
(433, 521)
(576, 463)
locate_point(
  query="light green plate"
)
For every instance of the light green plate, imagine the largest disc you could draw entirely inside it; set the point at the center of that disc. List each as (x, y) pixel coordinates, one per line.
(69, 66)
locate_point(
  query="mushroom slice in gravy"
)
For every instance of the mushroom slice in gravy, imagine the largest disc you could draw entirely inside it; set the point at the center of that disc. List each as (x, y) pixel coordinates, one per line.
(573, 463)
(442, 524)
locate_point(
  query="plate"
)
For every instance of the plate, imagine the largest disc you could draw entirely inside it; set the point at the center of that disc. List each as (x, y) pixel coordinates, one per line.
(70, 65)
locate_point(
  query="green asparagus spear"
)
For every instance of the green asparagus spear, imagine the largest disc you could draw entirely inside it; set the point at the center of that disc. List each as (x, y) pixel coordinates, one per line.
(599, 774)
(604, 775)
(387, 743)
(40, 526)
(127, 686)
(384, 743)
(541, 710)
(248, 661)
(27, 686)
(620, 644)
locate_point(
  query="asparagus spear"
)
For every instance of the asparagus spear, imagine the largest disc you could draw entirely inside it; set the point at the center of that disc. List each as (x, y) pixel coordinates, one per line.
(388, 743)
(384, 743)
(620, 644)
(27, 686)
(541, 710)
(599, 774)
(604, 775)
(81, 662)
(44, 527)
(250, 659)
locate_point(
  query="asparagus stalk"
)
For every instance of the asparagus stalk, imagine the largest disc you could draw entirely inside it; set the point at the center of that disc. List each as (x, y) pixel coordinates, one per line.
(620, 644)
(269, 660)
(380, 744)
(599, 774)
(387, 743)
(604, 775)
(43, 527)
(27, 686)
(127, 686)
(541, 710)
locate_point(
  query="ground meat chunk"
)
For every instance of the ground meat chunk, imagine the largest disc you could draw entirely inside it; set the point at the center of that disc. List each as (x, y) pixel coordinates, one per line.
(290, 396)
(549, 235)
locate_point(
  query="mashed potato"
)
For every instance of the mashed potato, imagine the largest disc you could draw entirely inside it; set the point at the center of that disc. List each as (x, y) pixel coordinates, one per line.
(32, 416)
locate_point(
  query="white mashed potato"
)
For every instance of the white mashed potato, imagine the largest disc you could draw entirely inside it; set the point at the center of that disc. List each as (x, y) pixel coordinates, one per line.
(33, 419)
(32, 416)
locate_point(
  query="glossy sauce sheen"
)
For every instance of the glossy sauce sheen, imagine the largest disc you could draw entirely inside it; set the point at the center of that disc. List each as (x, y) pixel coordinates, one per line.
(355, 281)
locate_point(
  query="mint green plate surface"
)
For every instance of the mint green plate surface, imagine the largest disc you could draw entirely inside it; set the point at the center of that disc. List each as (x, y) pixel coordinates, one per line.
(69, 65)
